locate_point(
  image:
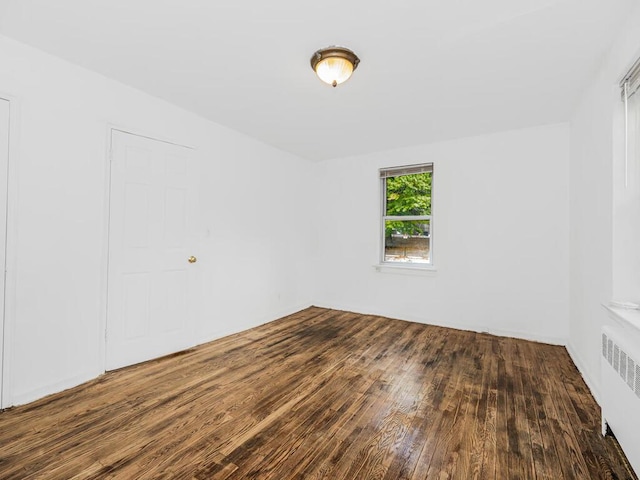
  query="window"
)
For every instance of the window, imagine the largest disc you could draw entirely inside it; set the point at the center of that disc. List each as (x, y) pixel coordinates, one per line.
(630, 89)
(406, 214)
(626, 190)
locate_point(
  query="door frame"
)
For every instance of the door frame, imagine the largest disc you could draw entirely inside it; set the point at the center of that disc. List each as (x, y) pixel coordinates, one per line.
(104, 281)
(8, 296)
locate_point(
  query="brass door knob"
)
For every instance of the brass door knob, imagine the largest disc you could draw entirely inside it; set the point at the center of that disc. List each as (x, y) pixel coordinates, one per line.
(192, 259)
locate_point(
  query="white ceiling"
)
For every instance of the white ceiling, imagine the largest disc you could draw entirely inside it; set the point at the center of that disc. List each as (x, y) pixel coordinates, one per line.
(430, 69)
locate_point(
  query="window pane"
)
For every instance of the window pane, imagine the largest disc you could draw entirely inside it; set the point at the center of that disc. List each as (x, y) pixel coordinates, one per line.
(407, 241)
(409, 194)
(633, 134)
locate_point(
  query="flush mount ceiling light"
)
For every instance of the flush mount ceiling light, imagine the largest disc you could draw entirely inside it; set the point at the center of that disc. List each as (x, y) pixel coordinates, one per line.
(334, 65)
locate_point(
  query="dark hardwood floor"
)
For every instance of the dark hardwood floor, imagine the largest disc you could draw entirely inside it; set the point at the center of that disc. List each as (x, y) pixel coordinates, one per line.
(323, 394)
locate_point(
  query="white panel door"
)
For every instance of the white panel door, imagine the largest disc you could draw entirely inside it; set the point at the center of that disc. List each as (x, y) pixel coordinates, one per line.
(151, 275)
(4, 164)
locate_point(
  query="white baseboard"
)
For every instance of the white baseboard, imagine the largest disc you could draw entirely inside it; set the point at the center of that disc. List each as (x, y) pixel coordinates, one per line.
(43, 391)
(550, 340)
(588, 379)
(210, 337)
(471, 328)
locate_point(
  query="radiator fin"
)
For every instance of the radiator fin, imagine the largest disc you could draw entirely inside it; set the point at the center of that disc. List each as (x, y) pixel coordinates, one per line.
(622, 363)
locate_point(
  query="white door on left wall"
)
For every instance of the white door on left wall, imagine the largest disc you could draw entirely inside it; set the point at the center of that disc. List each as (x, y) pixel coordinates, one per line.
(153, 269)
(4, 164)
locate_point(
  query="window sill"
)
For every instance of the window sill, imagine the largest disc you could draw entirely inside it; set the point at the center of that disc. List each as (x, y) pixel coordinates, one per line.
(418, 270)
(629, 319)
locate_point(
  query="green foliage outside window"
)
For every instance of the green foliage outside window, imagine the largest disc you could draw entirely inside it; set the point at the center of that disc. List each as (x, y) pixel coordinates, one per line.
(408, 195)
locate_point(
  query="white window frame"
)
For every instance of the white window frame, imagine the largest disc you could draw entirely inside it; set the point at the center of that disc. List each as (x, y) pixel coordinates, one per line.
(397, 172)
(629, 87)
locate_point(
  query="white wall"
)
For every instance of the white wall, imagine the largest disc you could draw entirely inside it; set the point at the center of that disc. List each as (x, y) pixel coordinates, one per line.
(500, 232)
(601, 250)
(507, 260)
(57, 251)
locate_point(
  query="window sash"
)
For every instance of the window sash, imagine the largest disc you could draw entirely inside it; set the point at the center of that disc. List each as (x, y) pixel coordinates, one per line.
(414, 254)
(630, 86)
(397, 172)
(400, 218)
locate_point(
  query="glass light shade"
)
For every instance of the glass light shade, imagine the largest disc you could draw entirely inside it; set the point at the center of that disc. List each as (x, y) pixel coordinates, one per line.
(334, 65)
(334, 70)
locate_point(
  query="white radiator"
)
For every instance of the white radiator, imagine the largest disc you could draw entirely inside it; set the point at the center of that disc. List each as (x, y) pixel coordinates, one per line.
(620, 382)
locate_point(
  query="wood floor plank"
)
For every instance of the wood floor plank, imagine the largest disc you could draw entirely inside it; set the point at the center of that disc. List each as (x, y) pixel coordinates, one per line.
(323, 394)
(445, 449)
(542, 444)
